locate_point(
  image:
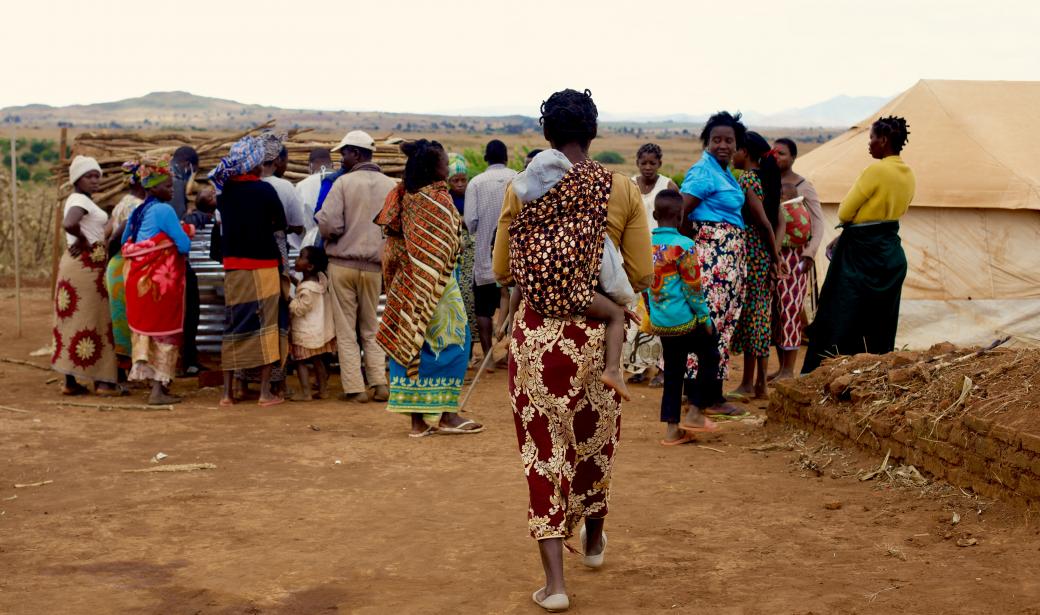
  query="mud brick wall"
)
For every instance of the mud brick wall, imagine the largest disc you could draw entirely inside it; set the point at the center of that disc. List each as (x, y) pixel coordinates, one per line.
(971, 452)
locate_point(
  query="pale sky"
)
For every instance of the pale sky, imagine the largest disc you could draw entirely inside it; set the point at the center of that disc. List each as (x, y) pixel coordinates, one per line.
(638, 57)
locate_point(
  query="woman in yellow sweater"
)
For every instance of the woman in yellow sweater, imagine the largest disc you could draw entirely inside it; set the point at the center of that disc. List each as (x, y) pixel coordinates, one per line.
(859, 303)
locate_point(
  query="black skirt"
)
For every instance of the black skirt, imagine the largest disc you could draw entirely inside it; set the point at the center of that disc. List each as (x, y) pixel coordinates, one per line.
(859, 303)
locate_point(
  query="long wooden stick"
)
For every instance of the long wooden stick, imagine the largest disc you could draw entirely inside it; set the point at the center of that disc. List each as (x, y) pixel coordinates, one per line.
(10, 409)
(39, 484)
(487, 359)
(104, 406)
(183, 467)
(17, 232)
(25, 363)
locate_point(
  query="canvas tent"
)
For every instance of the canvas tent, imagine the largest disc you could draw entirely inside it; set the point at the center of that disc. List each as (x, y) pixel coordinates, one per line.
(972, 235)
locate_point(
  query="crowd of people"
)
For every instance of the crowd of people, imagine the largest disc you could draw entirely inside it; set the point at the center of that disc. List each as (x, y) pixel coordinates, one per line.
(560, 252)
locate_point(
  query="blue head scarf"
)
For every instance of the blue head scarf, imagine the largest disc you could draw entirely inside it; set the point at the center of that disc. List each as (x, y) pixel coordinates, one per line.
(246, 154)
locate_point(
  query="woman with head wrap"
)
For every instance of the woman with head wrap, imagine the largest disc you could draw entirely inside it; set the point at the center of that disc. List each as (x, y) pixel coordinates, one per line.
(155, 246)
(256, 325)
(83, 326)
(274, 148)
(114, 272)
(458, 179)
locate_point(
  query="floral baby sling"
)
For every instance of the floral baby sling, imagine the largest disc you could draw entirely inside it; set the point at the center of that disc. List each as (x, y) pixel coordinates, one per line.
(556, 242)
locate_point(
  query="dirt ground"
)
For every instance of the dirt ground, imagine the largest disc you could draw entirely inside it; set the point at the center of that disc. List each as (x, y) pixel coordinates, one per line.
(355, 517)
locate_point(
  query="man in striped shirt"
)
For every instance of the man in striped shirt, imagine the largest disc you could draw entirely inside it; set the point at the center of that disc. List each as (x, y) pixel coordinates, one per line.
(483, 206)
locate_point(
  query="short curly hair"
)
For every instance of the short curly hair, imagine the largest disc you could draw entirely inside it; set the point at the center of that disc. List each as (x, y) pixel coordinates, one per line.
(724, 118)
(570, 116)
(652, 149)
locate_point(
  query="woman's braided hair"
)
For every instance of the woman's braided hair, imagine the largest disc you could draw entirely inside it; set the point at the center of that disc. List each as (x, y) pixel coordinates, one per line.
(895, 129)
(768, 173)
(570, 116)
(421, 168)
(652, 149)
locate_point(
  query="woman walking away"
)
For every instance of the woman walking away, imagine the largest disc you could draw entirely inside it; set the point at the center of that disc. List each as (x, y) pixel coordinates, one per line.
(859, 303)
(156, 246)
(649, 179)
(313, 330)
(424, 329)
(256, 284)
(114, 273)
(713, 203)
(761, 184)
(567, 419)
(803, 234)
(82, 320)
(458, 179)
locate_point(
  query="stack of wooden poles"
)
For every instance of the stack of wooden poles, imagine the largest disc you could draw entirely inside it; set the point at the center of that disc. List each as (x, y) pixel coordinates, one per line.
(112, 149)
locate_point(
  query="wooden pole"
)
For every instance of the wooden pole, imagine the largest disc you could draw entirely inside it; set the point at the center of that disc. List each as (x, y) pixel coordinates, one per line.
(14, 221)
(59, 218)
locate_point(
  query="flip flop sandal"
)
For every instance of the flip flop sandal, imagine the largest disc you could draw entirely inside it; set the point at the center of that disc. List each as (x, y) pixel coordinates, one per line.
(685, 438)
(459, 429)
(271, 402)
(737, 397)
(226, 403)
(729, 417)
(709, 426)
(431, 430)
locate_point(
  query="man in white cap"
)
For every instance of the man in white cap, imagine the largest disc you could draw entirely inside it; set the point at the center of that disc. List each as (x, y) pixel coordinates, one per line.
(354, 245)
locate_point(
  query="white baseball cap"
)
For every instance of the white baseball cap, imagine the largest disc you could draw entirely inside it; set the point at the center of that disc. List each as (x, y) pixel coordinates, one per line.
(357, 138)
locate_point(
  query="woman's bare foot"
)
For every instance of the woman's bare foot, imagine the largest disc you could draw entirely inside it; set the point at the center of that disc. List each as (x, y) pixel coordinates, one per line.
(761, 391)
(74, 389)
(773, 376)
(783, 375)
(614, 379)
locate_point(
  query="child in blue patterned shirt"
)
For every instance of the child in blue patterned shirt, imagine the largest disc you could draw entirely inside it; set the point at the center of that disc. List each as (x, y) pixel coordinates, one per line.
(679, 315)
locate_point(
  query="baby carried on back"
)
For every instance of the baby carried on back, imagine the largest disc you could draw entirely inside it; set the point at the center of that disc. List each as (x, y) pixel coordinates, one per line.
(561, 254)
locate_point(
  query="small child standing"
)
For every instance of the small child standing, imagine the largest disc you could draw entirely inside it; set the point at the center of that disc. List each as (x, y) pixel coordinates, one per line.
(679, 315)
(313, 331)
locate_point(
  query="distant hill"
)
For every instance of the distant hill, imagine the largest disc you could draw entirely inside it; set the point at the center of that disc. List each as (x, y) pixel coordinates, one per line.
(840, 111)
(185, 111)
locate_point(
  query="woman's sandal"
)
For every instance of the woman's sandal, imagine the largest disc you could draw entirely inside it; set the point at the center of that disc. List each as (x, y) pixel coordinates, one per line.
(556, 603)
(429, 431)
(267, 403)
(709, 426)
(592, 561)
(458, 429)
(685, 438)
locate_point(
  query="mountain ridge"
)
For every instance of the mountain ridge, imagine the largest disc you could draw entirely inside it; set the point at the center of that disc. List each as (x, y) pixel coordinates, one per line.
(181, 109)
